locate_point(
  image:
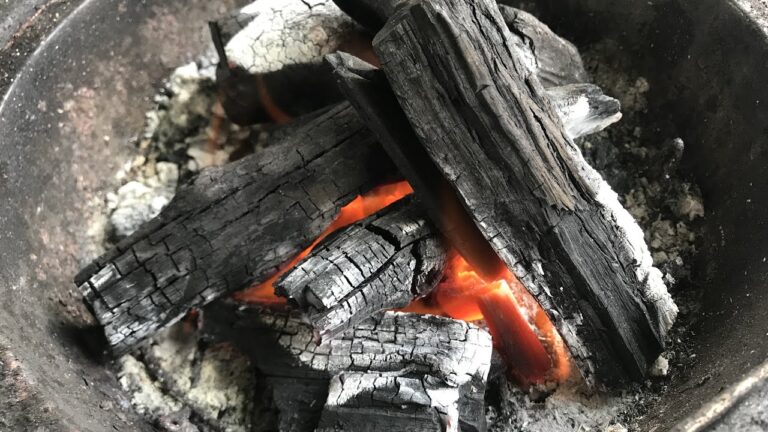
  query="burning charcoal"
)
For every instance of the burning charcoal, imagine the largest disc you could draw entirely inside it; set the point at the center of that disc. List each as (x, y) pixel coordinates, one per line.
(382, 262)
(429, 355)
(367, 89)
(548, 215)
(232, 226)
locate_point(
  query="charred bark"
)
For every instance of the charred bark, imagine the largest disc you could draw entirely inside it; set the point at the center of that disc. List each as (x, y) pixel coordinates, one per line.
(485, 121)
(430, 355)
(232, 226)
(382, 262)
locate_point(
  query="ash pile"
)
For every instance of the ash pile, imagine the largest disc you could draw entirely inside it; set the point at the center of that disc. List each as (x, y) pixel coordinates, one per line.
(381, 215)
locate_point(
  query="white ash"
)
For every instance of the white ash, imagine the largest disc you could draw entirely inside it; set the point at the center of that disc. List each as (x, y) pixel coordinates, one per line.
(660, 367)
(216, 381)
(181, 128)
(567, 409)
(179, 378)
(288, 32)
(146, 395)
(138, 201)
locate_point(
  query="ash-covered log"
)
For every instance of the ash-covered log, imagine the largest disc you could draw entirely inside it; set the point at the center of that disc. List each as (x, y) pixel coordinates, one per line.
(442, 354)
(485, 120)
(379, 263)
(233, 226)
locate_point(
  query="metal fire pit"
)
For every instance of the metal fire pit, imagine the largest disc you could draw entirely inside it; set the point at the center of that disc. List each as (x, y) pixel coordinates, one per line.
(77, 76)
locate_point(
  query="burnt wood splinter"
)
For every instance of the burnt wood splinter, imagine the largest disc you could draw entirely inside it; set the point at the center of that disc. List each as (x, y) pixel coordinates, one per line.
(382, 262)
(233, 226)
(487, 123)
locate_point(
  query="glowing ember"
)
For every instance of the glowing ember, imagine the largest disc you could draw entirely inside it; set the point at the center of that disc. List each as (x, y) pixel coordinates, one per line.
(521, 330)
(360, 208)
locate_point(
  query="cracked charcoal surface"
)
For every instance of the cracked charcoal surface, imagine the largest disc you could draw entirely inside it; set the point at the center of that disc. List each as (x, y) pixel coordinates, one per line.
(370, 402)
(443, 353)
(382, 262)
(400, 343)
(240, 232)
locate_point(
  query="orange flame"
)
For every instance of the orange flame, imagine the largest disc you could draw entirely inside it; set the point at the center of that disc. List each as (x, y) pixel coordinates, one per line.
(521, 330)
(359, 208)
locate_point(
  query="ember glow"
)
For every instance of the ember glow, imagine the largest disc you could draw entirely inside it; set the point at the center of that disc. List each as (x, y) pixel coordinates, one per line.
(521, 330)
(359, 208)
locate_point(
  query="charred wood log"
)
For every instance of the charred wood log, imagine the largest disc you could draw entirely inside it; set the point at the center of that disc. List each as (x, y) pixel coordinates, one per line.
(382, 262)
(556, 61)
(371, 95)
(584, 106)
(444, 355)
(232, 226)
(372, 14)
(549, 216)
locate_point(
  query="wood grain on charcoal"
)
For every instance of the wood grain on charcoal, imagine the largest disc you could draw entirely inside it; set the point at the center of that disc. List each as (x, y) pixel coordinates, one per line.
(557, 61)
(485, 120)
(382, 262)
(368, 91)
(233, 226)
(424, 357)
(582, 106)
